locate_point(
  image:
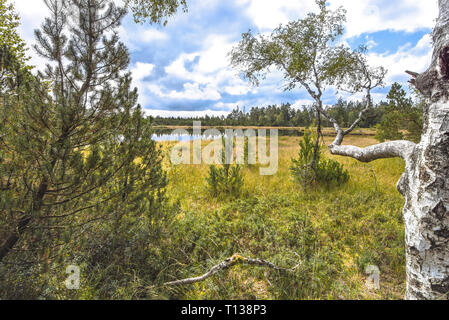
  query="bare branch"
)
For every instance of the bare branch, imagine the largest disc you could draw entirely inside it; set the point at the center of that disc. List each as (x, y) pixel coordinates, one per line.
(413, 74)
(361, 114)
(361, 77)
(226, 264)
(392, 149)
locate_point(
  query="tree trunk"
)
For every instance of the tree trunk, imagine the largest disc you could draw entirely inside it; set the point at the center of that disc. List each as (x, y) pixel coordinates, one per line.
(14, 237)
(425, 182)
(425, 186)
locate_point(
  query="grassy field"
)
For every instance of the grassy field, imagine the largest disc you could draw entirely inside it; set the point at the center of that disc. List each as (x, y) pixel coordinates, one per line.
(331, 234)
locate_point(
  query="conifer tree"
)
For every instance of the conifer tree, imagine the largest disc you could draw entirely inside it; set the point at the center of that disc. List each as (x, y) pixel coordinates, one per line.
(75, 147)
(401, 114)
(9, 38)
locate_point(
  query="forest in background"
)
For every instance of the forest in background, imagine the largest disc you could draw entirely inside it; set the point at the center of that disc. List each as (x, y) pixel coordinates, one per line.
(398, 117)
(82, 183)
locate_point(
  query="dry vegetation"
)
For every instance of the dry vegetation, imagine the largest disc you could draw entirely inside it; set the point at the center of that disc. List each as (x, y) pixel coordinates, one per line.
(333, 233)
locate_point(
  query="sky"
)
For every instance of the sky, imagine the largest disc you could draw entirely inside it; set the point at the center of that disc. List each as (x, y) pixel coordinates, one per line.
(183, 69)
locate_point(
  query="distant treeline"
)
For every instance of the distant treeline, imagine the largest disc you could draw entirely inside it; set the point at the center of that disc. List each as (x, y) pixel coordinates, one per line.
(284, 116)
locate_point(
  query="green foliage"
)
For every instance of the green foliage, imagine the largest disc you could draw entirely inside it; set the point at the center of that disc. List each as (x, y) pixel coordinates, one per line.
(226, 180)
(301, 49)
(155, 11)
(9, 37)
(77, 163)
(327, 172)
(390, 127)
(271, 228)
(329, 236)
(284, 115)
(402, 117)
(331, 173)
(306, 52)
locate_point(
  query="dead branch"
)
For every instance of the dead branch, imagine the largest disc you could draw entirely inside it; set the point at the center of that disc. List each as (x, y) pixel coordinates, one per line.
(226, 264)
(413, 74)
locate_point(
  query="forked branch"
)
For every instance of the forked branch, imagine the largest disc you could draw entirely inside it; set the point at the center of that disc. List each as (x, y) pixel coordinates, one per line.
(226, 264)
(392, 149)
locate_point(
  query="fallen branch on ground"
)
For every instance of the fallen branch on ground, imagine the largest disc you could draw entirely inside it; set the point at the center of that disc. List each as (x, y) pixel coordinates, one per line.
(226, 264)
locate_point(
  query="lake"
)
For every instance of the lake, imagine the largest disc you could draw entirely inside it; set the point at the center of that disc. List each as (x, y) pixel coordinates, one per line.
(168, 135)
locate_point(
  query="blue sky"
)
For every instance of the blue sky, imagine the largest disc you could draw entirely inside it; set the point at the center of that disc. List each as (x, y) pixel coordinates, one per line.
(183, 69)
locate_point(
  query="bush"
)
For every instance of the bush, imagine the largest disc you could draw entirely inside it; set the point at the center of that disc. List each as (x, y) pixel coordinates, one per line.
(226, 180)
(327, 172)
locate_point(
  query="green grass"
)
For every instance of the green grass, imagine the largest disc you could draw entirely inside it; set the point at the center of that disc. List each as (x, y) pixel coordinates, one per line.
(334, 233)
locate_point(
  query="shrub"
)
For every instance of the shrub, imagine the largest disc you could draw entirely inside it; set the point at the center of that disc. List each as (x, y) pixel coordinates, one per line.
(226, 180)
(327, 172)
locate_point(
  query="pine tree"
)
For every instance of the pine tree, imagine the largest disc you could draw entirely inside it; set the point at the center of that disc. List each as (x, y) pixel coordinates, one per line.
(10, 40)
(75, 146)
(401, 119)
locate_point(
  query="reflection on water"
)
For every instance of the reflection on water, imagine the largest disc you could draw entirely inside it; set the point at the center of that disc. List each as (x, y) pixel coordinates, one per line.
(182, 137)
(167, 135)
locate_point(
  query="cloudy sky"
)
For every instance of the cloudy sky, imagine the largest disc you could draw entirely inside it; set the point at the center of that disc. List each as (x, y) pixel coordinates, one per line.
(183, 69)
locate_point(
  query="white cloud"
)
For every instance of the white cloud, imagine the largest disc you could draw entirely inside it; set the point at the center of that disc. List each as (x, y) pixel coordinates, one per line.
(139, 35)
(142, 70)
(415, 58)
(377, 15)
(212, 58)
(192, 91)
(298, 104)
(236, 90)
(151, 35)
(362, 16)
(177, 68)
(211, 72)
(139, 72)
(268, 14)
(185, 114)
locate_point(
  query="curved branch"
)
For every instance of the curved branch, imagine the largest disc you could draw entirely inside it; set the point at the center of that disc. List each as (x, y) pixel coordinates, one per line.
(340, 132)
(392, 149)
(361, 114)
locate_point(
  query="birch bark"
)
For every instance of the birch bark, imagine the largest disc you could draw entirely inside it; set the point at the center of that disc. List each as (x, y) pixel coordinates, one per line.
(425, 182)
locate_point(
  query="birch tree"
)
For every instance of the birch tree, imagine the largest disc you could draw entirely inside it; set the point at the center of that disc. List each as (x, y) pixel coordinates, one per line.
(308, 54)
(425, 181)
(155, 11)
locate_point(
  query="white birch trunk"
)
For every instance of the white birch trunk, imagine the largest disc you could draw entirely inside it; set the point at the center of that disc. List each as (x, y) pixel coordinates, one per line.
(425, 186)
(425, 182)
